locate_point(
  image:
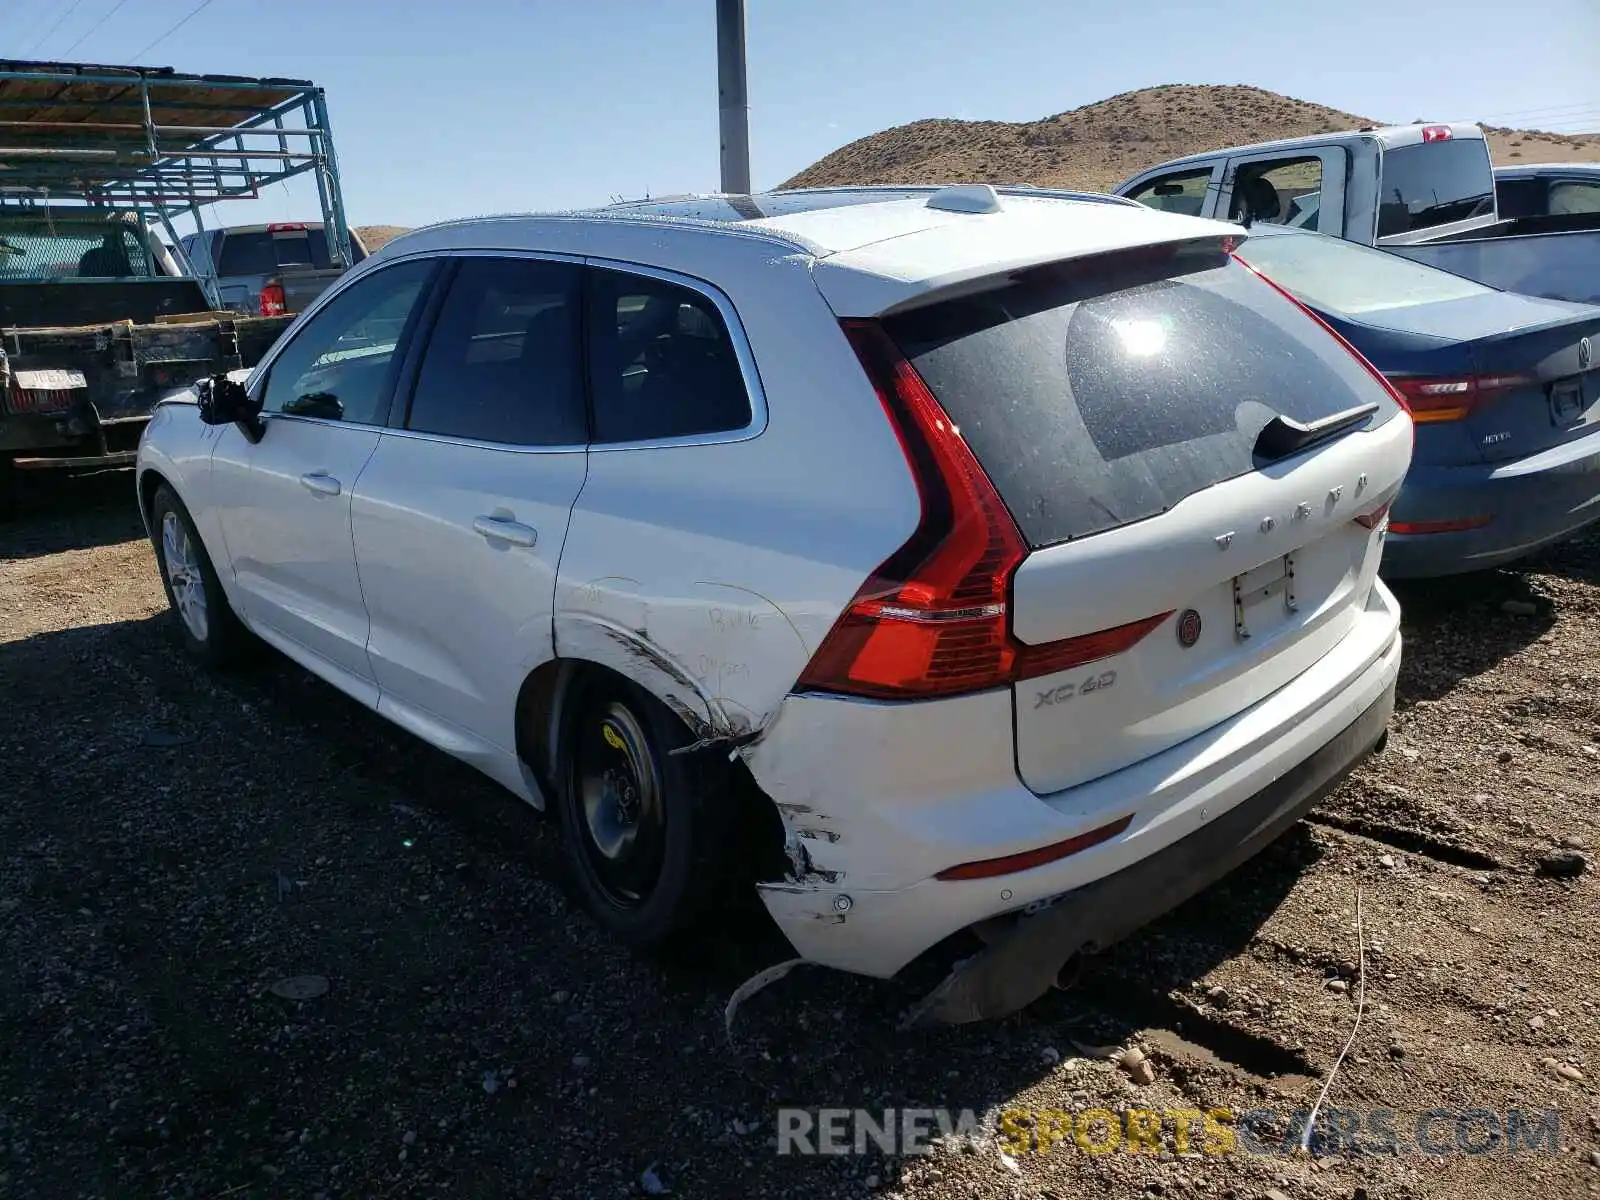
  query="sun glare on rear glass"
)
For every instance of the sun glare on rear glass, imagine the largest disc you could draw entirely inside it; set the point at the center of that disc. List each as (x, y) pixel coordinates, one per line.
(1141, 338)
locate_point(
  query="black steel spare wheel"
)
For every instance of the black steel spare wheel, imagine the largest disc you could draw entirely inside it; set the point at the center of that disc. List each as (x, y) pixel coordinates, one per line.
(645, 830)
(624, 818)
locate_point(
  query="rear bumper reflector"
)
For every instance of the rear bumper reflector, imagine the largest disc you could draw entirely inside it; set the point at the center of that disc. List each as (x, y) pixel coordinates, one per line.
(988, 868)
(1456, 525)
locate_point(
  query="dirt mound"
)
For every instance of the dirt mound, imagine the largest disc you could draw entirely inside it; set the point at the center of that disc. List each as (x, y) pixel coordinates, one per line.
(1099, 145)
(374, 236)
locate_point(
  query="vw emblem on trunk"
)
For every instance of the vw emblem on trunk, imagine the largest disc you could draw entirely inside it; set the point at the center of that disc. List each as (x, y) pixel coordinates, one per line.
(1584, 354)
(1188, 628)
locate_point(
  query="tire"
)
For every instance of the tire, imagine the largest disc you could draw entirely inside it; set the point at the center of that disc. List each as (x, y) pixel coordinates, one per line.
(205, 620)
(644, 831)
(8, 487)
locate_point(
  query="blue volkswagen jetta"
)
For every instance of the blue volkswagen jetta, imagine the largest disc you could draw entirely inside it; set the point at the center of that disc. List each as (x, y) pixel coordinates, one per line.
(1504, 390)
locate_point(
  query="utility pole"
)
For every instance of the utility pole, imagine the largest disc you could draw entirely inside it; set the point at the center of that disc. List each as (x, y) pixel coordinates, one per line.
(733, 98)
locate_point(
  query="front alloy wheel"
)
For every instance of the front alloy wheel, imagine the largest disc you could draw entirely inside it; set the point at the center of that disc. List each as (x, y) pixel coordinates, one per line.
(183, 575)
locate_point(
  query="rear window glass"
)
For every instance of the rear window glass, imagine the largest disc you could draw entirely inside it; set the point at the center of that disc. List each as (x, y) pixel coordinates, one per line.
(1106, 393)
(1519, 197)
(1434, 183)
(262, 253)
(1350, 280)
(247, 254)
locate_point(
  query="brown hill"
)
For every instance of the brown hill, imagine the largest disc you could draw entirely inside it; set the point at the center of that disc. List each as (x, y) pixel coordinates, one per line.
(374, 236)
(1099, 145)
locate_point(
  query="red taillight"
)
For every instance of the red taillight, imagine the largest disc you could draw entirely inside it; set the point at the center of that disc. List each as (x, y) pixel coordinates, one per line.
(933, 619)
(1371, 520)
(273, 303)
(294, 227)
(988, 868)
(28, 401)
(1454, 525)
(1436, 133)
(1455, 398)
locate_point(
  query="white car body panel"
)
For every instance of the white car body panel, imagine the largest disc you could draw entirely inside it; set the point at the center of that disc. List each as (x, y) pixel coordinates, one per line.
(459, 619)
(709, 569)
(293, 565)
(876, 831)
(1186, 559)
(721, 607)
(945, 256)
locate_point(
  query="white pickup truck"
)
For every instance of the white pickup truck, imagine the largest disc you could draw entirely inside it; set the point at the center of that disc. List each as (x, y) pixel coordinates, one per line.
(1423, 191)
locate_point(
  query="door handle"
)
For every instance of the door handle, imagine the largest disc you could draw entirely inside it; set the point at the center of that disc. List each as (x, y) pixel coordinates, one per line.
(320, 483)
(501, 529)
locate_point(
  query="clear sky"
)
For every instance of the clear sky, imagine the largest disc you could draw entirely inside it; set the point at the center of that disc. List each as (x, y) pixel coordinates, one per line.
(446, 108)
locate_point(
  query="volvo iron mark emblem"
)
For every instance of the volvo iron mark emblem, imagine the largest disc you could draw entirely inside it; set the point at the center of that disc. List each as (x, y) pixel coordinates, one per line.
(1585, 353)
(1188, 628)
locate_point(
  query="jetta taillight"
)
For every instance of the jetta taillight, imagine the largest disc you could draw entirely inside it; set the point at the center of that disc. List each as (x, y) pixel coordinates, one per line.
(273, 302)
(1455, 398)
(934, 618)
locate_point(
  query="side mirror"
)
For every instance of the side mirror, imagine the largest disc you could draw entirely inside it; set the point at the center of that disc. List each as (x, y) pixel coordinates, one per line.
(225, 401)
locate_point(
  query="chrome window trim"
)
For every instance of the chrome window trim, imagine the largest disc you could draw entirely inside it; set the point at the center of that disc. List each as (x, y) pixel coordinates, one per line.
(748, 371)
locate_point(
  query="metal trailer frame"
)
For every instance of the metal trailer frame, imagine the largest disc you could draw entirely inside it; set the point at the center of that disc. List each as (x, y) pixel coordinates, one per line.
(162, 143)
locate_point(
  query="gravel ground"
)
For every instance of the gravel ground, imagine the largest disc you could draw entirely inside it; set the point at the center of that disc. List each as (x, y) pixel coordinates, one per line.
(173, 845)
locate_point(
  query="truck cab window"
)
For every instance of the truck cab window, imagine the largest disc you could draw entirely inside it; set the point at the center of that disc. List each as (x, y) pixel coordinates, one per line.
(1183, 192)
(1283, 191)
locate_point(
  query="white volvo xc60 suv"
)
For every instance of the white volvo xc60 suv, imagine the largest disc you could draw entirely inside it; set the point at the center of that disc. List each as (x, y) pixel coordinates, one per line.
(931, 560)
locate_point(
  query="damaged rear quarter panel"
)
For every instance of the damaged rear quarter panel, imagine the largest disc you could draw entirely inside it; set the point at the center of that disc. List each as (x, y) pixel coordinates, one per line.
(707, 570)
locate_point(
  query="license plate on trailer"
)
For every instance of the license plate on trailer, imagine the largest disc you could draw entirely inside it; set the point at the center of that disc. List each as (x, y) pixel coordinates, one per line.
(46, 391)
(49, 380)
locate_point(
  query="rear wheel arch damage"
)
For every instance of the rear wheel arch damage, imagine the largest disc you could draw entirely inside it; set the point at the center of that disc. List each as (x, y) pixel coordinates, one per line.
(745, 830)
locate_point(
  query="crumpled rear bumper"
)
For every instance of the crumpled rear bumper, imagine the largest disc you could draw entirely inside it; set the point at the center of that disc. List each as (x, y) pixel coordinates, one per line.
(1023, 959)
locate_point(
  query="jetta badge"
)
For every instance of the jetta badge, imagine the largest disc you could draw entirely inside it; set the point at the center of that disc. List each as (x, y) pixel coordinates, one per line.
(1188, 628)
(1584, 354)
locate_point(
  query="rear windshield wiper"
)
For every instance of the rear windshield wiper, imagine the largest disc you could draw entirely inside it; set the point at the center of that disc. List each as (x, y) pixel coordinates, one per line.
(1283, 436)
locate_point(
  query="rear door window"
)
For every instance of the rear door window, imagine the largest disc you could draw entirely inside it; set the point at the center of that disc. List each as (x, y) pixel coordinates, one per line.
(1434, 183)
(1105, 391)
(504, 361)
(662, 362)
(1280, 191)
